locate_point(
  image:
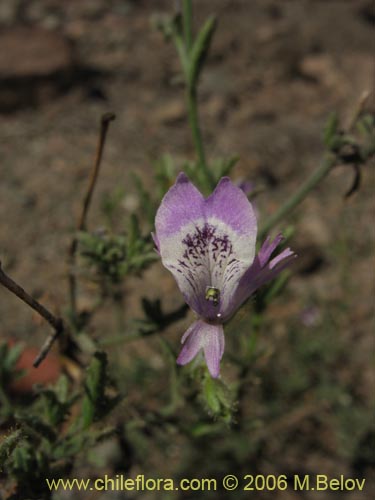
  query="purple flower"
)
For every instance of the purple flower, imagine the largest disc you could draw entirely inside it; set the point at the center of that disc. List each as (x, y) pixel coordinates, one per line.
(208, 244)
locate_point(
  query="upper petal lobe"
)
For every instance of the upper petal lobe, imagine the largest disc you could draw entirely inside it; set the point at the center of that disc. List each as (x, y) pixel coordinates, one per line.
(206, 243)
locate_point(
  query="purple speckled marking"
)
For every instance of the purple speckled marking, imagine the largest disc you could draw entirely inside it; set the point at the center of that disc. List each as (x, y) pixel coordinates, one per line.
(207, 261)
(204, 242)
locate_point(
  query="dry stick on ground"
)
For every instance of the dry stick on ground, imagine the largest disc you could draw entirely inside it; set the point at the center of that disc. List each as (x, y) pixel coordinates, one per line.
(104, 125)
(56, 323)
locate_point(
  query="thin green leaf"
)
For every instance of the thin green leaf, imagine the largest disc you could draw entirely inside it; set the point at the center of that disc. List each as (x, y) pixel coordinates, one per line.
(200, 49)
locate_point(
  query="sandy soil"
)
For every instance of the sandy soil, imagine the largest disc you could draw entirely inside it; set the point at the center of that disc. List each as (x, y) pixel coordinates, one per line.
(275, 72)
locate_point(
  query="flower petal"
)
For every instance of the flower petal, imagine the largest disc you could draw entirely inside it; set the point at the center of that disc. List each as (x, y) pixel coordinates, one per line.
(262, 270)
(193, 342)
(180, 209)
(214, 348)
(206, 243)
(210, 338)
(229, 204)
(268, 248)
(229, 210)
(182, 204)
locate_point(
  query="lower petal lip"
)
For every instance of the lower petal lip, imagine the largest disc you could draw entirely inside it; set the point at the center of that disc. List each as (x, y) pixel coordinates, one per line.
(207, 337)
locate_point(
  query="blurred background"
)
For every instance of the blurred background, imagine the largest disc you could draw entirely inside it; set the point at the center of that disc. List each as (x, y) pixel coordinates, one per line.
(275, 71)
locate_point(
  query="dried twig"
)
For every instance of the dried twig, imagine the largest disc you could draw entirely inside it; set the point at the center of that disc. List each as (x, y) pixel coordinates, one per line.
(56, 322)
(81, 225)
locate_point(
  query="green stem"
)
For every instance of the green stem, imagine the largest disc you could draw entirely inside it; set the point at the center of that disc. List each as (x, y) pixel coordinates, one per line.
(314, 179)
(187, 22)
(184, 44)
(192, 106)
(194, 124)
(182, 54)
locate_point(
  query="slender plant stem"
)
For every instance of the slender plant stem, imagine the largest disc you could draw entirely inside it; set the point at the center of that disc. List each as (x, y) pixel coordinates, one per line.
(187, 21)
(314, 179)
(192, 106)
(318, 175)
(56, 322)
(82, 221)
(194, 124)
(184, 44)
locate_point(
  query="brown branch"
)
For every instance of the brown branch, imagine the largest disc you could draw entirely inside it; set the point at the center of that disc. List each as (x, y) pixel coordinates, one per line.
(56, 322)
(81, 225)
